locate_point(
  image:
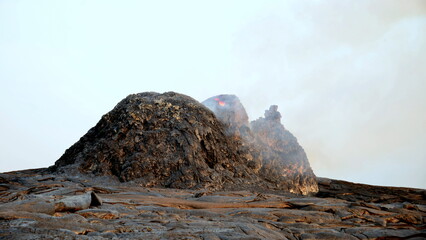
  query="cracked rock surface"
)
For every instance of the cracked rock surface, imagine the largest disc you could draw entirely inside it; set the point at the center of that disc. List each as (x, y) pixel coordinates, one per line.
(104, 208)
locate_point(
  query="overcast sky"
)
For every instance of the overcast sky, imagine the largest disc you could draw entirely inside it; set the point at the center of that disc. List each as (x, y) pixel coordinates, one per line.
(349, 77)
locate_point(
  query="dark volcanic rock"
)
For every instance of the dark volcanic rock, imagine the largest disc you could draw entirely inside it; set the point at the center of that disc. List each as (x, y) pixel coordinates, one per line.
(128, 211)
(167, 140)
(231, 112)
(171, 140)
(283, 157)
(274, 150)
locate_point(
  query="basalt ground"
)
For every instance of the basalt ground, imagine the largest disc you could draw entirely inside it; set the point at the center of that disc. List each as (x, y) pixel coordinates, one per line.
(38, 205)
(172, 140)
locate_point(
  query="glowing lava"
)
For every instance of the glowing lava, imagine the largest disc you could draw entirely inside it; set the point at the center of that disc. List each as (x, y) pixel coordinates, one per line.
(221, 103)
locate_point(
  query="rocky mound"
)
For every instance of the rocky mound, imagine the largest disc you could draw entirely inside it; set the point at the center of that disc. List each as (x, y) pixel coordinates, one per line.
(231, 112)
(274, 150)
(283, 157)
(171, 140)
(167, 140)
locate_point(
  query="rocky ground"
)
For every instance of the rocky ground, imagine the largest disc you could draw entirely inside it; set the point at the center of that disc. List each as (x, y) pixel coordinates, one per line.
(36, 205)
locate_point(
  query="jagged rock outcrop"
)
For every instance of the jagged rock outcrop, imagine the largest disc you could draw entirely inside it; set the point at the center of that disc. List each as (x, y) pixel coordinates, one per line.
(231, 112)
(168, 140)
(283, 157)
(274, 150)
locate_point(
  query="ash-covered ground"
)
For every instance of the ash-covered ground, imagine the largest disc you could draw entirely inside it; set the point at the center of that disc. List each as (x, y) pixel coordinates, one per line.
(164, 166)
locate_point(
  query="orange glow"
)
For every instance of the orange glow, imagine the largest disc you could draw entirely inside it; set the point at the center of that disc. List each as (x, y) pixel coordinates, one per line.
(221, 103)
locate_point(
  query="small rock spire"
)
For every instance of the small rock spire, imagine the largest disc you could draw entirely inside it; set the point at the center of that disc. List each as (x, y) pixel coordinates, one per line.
(273, 114)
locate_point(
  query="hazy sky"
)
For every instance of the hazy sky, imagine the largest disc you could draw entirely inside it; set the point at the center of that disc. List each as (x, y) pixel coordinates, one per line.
(349, 77)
